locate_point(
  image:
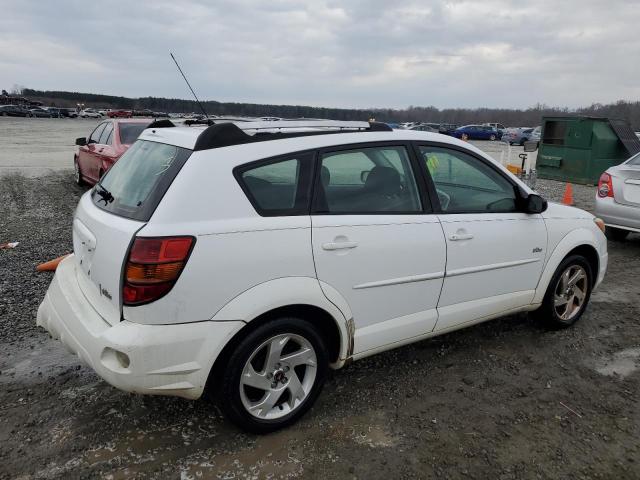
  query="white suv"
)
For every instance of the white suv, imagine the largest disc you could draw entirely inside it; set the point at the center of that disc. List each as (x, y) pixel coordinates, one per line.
(245, 259)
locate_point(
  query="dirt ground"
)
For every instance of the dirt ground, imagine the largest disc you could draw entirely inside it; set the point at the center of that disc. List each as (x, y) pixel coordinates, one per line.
(503, 400)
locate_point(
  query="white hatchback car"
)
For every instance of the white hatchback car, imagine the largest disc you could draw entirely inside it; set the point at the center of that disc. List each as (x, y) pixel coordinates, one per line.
(245, 259)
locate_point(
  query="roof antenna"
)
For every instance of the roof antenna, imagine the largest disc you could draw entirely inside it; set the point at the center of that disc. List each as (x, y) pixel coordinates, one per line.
(189, 85)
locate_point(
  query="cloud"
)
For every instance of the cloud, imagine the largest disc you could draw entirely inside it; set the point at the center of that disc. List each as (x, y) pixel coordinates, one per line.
(357, 53)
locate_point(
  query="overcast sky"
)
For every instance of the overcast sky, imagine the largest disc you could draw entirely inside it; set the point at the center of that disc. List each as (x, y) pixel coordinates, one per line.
(364, 53)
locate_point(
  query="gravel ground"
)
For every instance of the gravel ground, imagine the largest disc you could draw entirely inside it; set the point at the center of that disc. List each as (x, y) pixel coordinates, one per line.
(505, 399)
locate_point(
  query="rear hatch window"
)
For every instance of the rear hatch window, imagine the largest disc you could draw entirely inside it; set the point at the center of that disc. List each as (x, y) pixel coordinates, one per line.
(134, 186)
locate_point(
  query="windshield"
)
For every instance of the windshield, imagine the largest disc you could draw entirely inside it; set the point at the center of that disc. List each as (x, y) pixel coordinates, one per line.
(129, 132)
(134, 186)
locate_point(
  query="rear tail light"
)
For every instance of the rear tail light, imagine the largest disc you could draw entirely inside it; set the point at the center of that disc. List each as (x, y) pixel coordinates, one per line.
(153, 267)
(605, 186)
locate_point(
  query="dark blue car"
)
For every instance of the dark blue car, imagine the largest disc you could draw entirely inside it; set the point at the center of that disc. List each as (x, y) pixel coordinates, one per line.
(477, 132)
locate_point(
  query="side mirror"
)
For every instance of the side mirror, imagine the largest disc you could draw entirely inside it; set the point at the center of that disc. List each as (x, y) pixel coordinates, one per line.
(364, 175)
(530, 146)
(81, 142)
(534, 203)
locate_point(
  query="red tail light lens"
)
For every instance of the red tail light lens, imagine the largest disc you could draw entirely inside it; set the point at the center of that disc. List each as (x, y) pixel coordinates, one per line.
(153, 267)
(605, 186)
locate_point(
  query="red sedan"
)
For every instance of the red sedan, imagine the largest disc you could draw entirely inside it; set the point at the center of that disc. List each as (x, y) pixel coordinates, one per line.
(106, 144)
(119, 114)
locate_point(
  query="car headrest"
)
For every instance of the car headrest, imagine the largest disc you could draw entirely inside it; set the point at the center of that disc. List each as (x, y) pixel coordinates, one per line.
(383, 180)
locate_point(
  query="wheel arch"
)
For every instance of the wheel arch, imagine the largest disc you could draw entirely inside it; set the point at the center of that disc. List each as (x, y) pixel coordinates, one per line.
(580, 241)
(293, 296)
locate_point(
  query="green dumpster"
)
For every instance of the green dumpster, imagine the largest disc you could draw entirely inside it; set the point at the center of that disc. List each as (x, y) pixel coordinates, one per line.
(579, 149)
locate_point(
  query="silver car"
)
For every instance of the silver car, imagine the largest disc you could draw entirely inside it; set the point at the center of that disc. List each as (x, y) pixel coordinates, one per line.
(618, 198)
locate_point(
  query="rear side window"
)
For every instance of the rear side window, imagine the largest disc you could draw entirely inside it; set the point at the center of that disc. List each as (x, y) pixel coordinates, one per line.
(134, 186)
(129, 132)
(278, 187)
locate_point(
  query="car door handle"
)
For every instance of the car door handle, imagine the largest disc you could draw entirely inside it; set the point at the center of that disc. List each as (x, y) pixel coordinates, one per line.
(454, 237)
(339, 245)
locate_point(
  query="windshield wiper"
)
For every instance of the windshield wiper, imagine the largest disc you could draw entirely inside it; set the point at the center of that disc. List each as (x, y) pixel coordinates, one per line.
(105, 195)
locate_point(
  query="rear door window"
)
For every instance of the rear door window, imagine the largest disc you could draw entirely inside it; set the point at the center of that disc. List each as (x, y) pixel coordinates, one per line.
(134, 186)
(372, 180)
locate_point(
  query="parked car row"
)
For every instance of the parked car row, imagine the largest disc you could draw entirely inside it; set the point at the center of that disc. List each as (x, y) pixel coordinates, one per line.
(39, 112)
(520, 135)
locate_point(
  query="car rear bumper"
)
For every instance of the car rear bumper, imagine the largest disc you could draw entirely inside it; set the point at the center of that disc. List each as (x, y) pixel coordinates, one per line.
(618, 215)
(150, 359)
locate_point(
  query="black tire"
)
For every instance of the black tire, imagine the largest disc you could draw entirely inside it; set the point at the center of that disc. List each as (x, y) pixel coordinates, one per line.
(617, 234)
(522, 141)
(492, 137)
(77, 173)
(226, 389)
(547, 313)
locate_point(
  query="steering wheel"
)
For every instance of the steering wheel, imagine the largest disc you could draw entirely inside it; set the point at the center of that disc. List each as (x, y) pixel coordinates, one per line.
(444, 198)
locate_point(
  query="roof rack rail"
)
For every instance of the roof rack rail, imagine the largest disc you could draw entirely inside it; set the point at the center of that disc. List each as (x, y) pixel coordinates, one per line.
(161, 124)
(225, 134)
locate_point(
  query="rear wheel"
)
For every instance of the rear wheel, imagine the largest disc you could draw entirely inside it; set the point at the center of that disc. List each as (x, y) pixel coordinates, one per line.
(616, 234)
(273, 376)
(492, 137)
(568, 293)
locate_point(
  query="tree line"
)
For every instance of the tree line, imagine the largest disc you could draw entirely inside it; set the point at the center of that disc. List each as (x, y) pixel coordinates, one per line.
(625, 110)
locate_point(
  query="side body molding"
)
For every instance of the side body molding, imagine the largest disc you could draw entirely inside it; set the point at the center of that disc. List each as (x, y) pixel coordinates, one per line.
(282, 292)
(575, 238)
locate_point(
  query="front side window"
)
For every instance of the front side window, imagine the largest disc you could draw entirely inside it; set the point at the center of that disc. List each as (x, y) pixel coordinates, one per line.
(465, 184)
(95, 136)
(367, 181)
(279, 187)
(104, 136)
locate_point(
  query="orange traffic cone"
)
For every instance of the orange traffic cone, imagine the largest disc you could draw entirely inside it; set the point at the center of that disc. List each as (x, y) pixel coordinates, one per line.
(51, 265)
(567, 198)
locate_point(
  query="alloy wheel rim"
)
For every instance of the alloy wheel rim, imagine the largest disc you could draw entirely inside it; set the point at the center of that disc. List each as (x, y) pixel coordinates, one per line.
(278, 376)
(570, 292)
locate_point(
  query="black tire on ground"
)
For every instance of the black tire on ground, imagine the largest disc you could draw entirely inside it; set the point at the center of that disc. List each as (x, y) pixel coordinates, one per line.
(522, 140)
(548, 312)
(77, 173)
(5, 114)
(616, 234)
(492, 137)
(226, 388)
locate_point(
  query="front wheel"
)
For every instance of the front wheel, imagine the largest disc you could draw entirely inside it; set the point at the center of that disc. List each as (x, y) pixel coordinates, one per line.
(568, 293)
(273, 376)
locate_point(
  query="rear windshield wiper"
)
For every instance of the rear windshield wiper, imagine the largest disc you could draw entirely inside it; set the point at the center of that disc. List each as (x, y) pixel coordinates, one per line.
(105, 195)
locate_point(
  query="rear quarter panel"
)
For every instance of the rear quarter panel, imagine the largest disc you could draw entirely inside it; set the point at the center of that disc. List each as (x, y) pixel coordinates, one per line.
(235, 250)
